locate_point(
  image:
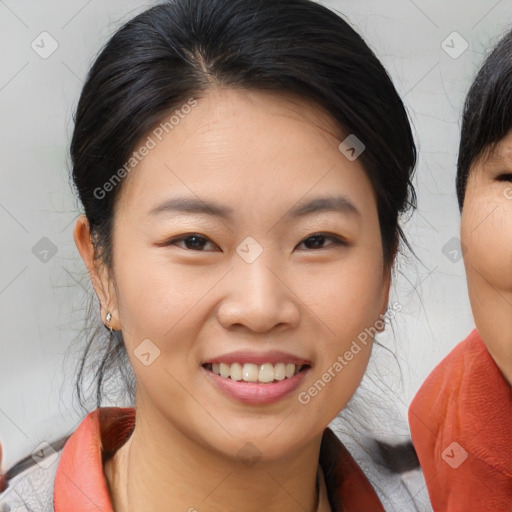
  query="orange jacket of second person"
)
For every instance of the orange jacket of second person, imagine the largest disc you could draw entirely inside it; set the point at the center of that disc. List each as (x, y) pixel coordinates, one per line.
(461, 427)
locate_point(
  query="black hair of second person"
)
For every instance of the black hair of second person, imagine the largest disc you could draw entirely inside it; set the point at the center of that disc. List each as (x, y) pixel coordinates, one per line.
(174, 51)
(487, 114)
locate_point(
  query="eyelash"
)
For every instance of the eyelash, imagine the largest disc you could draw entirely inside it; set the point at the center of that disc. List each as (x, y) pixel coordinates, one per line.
(505, 177)
(336, 240)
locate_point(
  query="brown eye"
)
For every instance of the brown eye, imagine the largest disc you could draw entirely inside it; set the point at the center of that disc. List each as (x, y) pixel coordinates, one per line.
(191, 241)
(317, 240)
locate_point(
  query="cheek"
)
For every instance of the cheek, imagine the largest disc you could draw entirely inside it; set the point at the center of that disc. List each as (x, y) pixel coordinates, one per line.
(340, 366)
(349, 303)
(161, 304)
(157, 299)
(352, 302)
(486, 235)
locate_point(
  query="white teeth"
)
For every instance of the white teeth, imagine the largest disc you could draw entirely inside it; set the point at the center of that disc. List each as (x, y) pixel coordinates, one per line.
(267, 373)
(280, 371)
(224, 370)
(250, 372)
(236, 371)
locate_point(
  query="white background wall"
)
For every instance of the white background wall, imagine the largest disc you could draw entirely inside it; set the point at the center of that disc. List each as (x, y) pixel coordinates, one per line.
(42, 304)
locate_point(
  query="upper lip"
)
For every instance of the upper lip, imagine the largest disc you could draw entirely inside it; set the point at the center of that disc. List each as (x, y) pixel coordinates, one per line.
(272, 357)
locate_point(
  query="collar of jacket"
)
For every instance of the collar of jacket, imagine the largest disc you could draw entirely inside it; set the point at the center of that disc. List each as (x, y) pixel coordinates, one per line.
(81, 486)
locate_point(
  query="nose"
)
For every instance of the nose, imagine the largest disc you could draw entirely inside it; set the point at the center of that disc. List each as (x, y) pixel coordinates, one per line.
(258, 297)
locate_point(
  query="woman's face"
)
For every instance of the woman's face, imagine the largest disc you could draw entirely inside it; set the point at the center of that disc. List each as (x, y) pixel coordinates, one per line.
(486, 235)
(245, 236)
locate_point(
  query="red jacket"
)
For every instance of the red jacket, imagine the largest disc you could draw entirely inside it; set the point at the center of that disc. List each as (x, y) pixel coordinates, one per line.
(81, 486)
(461, 427)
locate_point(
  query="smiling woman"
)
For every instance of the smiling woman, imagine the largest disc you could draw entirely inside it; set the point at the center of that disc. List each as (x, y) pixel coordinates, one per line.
(237, 258)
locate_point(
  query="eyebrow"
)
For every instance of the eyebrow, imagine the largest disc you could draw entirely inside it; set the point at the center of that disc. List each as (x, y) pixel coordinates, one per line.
(337, 204)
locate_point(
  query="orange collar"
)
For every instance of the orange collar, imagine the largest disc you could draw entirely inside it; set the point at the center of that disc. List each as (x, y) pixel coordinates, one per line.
(80, 482)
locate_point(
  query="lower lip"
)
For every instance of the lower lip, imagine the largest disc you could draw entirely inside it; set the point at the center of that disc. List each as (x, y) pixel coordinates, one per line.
(254, 392)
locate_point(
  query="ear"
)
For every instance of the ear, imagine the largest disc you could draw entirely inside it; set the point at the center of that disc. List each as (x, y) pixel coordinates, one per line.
(101, 281)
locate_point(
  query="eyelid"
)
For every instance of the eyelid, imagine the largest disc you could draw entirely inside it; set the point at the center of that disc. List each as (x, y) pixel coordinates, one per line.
(180, 238)
(336, 240)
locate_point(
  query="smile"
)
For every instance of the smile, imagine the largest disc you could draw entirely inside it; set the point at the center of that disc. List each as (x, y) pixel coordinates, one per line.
(260, 373)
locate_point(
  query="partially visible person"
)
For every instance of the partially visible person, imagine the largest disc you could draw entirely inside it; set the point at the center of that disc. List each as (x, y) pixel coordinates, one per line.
(461, 418)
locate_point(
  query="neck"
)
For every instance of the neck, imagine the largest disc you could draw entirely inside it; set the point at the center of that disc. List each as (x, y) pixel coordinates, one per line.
(160, 468)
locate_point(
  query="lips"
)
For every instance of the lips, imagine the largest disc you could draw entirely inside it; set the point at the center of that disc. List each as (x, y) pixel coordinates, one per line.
(256, 378)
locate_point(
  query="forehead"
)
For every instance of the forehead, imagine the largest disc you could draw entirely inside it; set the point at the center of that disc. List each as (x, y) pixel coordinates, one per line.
(261, 142)
(265, 102)
(496, 155)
